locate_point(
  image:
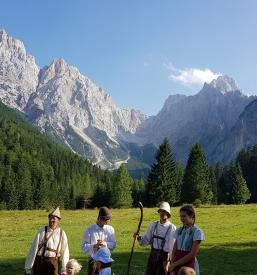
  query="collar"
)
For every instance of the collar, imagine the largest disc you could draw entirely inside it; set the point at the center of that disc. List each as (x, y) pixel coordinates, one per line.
(99, 227)
(165, 224)
(52, 230)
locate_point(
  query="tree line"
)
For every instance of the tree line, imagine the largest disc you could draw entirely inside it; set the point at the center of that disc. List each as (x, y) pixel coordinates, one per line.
(37, 173)
(197, 183)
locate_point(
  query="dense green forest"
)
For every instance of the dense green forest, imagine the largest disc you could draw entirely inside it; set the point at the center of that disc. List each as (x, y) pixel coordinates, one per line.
(37, 173)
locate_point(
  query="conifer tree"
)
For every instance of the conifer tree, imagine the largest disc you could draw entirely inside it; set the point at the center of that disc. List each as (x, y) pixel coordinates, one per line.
(161, 185)
(196, 184)
(138, 191)
(122, 189)
(239, 191)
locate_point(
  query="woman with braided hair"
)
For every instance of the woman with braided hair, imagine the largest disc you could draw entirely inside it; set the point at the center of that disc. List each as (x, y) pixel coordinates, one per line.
(187, 244)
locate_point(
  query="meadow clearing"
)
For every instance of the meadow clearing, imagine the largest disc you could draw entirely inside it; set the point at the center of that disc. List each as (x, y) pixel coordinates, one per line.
(230, 246)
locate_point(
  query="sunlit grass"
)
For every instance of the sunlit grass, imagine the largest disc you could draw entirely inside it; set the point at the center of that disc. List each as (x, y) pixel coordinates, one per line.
(230, 246)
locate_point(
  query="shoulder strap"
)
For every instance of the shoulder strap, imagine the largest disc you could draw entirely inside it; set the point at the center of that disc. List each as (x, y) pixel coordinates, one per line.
(57, 249)
(155, 227)
(164, 240)
(44, 243)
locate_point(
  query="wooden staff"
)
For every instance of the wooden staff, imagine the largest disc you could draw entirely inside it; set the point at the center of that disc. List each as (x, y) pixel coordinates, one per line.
(137, 232)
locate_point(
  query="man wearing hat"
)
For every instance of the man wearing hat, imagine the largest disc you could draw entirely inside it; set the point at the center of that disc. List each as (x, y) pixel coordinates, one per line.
(161, 236)
(97, 236)
(48, 246)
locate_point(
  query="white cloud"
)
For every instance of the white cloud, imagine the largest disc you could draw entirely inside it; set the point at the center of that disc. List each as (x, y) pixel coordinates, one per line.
(191, 77)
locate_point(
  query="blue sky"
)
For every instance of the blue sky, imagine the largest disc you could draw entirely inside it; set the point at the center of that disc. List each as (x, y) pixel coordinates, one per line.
(141, 51)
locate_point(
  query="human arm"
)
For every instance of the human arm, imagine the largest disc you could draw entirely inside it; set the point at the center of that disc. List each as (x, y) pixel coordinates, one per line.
(111, 241)
(65, 254)
(194, 251)
(146, 238)
(32, 254)
(86, 245)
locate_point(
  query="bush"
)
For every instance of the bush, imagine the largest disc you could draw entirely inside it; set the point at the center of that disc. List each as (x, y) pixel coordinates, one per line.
(197, 203)
(3, 205)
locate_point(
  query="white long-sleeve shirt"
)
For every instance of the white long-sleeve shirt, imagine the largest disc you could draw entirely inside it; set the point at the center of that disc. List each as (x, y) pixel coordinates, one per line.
(94, 233)
(52, 243)
(160, 230)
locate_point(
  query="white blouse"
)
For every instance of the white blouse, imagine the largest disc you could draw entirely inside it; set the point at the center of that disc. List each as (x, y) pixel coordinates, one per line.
(160, 230)
(52, 243)
(94, 233)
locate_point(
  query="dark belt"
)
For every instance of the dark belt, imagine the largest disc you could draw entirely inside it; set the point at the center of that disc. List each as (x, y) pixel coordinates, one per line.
(46, 258)
(157, 250)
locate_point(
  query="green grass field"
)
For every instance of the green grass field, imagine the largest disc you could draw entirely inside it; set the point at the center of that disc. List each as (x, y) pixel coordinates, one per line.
(230, 246)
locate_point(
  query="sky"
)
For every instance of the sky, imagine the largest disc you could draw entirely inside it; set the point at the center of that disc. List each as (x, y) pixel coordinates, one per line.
(141, 51)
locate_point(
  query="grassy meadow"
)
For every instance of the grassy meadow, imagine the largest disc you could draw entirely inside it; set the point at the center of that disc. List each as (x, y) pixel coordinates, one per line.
(230, 246)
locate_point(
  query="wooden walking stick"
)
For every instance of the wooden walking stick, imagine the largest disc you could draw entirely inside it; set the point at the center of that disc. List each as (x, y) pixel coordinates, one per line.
(137, 232)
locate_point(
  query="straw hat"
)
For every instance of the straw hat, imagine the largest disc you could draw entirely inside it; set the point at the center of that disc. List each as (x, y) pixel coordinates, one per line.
(166, 207)
(56, 212)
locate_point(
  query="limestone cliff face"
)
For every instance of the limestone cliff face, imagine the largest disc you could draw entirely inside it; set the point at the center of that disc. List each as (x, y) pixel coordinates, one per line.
(77, 113)
(205, 118)
(66, 105)
(242, 135)
(18, 72)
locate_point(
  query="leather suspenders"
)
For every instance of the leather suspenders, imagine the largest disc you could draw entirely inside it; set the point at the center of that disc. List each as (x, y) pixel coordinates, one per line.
(44, 243)
(155, 236)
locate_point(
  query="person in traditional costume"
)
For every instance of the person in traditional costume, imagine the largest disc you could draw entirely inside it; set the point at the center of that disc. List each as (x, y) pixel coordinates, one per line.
(187, 244)
(97, 236)
(49, 246)
(160, 235)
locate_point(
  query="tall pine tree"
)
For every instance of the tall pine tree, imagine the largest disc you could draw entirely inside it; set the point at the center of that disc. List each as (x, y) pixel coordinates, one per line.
(122, 189)
(161, 183)
(196, 183)
(239, 191)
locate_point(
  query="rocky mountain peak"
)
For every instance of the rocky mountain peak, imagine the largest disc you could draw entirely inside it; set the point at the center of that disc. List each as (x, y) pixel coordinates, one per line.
(225, 84)
(18, 72)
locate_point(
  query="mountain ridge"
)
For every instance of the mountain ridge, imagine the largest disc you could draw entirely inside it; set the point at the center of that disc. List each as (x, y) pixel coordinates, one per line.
(68, 107)
(66, 104)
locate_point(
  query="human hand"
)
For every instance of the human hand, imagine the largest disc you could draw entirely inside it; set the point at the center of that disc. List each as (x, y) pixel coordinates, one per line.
(166, 266)
(171, 267)
(136, 237)
(101, 243)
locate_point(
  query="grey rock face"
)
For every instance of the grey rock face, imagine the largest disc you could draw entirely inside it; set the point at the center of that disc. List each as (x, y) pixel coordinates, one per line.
(65, 104)
(18, 72)
(205, 118)
(71, 109)
(241, 136)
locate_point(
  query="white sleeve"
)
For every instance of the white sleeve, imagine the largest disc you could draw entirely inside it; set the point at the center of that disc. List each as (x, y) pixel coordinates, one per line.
(111, 242)
(86, 245)
(198, 235)
(32, 253)
(64, 251)
(172, 238)
(146, 238)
